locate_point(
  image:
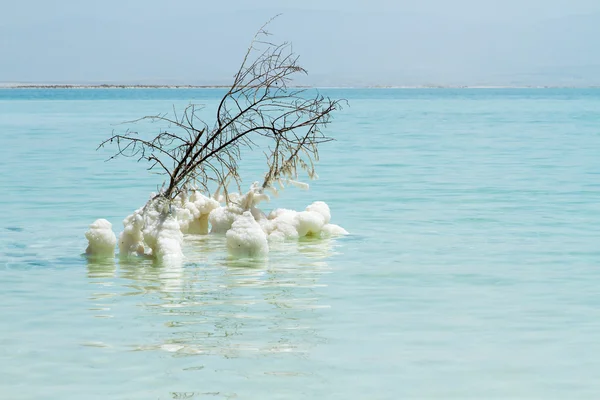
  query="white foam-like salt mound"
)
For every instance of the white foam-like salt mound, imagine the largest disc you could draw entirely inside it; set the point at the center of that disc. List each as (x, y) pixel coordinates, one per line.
(322, 208)
(168, 240)
(289, 224)
(192, 214)
(222, 218)
(160, 223)
(280, 225)
(203, 207)
(333, 230)
(280, 212)
(258, 214)
(246, 237)
(157, 229)
(309, 223)
(101, 239)
(131, 240)
(152, 221)
(152, 230)
(282, 231)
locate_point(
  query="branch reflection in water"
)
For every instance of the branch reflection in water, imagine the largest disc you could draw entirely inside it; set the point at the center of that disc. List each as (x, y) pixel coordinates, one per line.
(215, 305)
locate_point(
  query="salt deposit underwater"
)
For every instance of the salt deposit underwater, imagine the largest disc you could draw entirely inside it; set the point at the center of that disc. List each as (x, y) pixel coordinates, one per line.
(157, 228)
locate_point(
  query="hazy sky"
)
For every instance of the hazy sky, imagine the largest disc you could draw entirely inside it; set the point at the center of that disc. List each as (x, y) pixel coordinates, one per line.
(341, 42)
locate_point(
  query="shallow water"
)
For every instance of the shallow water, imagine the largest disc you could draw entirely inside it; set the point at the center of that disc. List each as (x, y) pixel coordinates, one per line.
(472, 270)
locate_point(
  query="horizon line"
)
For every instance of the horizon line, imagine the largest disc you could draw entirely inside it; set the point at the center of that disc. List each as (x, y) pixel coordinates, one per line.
(18, 85)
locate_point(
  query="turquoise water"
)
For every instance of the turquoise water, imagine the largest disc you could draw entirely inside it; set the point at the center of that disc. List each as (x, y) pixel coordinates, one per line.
(472, 269)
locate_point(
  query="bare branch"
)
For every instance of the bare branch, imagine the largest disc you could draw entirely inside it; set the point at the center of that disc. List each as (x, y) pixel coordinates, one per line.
(259, 103)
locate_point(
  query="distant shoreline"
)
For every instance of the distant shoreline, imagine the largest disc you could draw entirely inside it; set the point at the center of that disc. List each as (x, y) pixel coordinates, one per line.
(114, 86)
(77, 86)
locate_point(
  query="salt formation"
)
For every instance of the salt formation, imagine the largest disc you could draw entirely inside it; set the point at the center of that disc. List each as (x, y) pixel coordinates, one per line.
(192, 214)
(222, 218)
(333, 230)
(240, 218)
(131, 240)
(157, 229)
(284, 224)
(246, 238)
(165, 239)
(101, 239)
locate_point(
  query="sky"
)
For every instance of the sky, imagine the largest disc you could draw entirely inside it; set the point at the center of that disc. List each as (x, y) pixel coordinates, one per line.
(340, 42)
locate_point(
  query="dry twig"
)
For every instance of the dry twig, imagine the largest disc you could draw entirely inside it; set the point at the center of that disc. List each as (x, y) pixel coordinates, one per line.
(260, 102)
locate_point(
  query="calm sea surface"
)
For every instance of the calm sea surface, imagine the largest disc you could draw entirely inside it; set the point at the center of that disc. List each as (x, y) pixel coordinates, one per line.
(472, 269)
